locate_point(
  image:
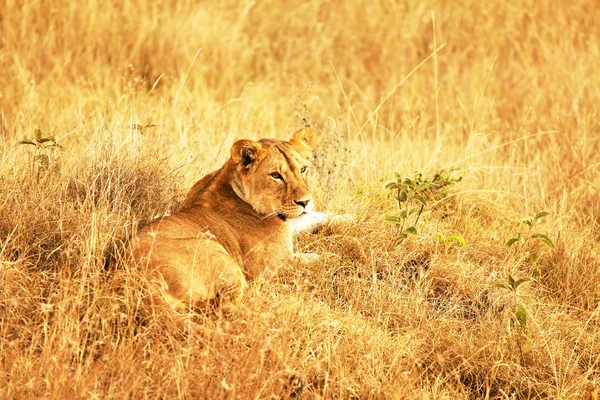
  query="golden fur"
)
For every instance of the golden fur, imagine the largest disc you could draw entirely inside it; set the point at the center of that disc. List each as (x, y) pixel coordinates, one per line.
(234, 224)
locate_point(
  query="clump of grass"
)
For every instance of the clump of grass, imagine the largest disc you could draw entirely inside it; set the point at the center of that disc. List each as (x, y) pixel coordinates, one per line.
(56, 301)
(45, 222)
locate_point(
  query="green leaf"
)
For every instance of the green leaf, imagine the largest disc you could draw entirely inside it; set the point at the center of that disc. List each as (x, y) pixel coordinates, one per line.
(540, 215)
(521, 316)
(392, 219)
(502, 284)
(409, 182)
(47, 139)
(544, 239)
(397, 176)
(37, 133)
(391, 185)
(411, 230)
(456, 238)
(511, 281)
(27, 141)
(402, 196)
(420, 199)
(512, 241)
(522, 280)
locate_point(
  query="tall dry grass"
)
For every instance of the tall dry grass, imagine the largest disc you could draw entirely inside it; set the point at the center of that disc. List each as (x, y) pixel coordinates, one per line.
(510, 101)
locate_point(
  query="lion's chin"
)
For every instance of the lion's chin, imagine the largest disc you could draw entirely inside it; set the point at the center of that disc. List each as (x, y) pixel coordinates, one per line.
(286, 216)
(295, 214)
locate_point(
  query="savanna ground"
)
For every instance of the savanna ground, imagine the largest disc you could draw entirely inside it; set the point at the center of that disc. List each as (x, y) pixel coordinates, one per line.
(145, 98)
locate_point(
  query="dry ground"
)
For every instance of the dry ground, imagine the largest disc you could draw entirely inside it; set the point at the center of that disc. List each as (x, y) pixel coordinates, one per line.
(510, 103)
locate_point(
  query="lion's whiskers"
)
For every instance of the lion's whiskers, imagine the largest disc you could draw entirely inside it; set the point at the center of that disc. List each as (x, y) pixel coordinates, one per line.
(271, 214)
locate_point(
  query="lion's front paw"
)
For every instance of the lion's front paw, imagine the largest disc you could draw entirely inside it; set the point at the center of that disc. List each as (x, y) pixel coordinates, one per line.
(305, 258)
(341, 219)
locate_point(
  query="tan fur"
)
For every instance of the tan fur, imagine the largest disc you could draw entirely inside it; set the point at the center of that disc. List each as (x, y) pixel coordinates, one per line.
(232, 226)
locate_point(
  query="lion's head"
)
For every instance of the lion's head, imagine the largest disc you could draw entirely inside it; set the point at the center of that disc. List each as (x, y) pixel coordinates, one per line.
(273, 175)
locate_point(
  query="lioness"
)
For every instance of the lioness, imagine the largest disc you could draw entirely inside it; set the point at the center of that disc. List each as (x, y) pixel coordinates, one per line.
(234, 224)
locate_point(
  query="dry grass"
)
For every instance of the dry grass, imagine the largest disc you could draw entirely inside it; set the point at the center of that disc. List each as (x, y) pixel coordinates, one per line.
(511, 100)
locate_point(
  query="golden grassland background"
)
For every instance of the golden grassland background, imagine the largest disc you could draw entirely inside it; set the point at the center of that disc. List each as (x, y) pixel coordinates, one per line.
(510, 103)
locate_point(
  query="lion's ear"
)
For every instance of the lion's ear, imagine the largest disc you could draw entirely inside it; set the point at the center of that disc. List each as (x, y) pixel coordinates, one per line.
(304, 140)
(245, 152)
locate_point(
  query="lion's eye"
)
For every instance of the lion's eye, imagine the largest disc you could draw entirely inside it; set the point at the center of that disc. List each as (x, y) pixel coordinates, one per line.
(303, 169)
(276, 175)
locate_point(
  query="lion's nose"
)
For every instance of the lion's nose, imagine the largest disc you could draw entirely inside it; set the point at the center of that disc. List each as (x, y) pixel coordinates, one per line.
(302, 203)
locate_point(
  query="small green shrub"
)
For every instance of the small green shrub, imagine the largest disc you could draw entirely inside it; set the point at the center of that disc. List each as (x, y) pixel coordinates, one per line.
(528, 236)
(41, 159)
(413, 196)
(518, 319)
(522, 241)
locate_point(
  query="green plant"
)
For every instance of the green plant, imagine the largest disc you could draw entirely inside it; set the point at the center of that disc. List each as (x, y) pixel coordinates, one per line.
(530, 222)
(522, 241)
(519, 316)
(413, 195)
(454, 239)
(41, 159)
